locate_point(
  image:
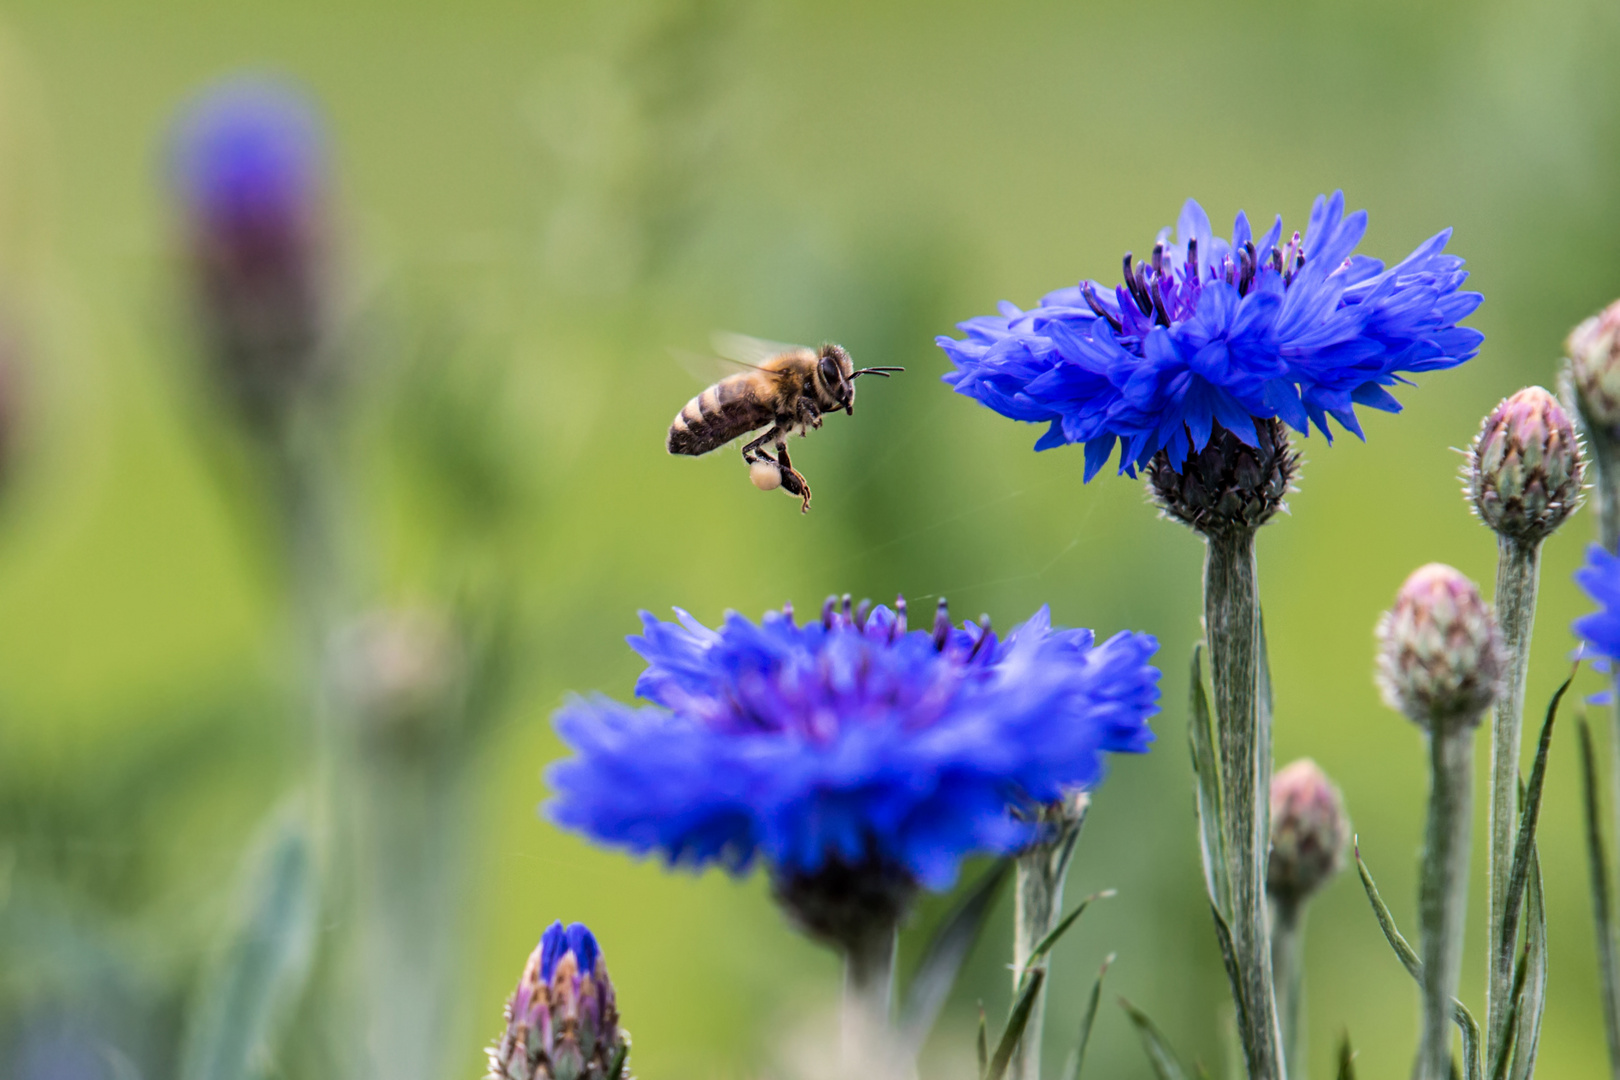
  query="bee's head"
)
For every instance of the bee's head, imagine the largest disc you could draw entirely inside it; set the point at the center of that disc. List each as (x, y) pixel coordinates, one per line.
(835, 383)
(835, 378)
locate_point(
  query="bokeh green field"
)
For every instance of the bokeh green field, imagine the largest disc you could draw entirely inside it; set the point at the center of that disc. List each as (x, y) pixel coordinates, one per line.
(580, 188)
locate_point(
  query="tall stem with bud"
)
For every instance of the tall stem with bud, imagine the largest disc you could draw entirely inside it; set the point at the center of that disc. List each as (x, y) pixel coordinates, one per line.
(1524, 479)
(1225, 493)
(1440, 664)
(1309, 831)
(1041, 872)
(1592, 383)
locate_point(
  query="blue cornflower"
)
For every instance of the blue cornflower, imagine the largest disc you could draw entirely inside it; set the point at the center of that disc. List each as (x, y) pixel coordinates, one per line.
(249, 174)
(249, 152)
(850, 741)
(1600, 631)
(1211, 333)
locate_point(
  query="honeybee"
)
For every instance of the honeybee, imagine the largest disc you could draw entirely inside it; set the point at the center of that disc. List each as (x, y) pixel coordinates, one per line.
(789, 391)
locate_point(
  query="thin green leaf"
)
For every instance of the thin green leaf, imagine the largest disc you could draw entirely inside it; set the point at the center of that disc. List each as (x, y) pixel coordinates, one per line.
(1077, 1056)
(1602, 913)
(945, 953)
(252, 984)
(1403, 949)
(1347, 1058)
(1466, 1024)
(616, 1064)
(1206, 768)
(1016, 1022)
(984, 1042)
(1528, 816)
(1535, 990)
(1510, 1026)
(1223, 938)
(1045, 945)
(1165, 1064)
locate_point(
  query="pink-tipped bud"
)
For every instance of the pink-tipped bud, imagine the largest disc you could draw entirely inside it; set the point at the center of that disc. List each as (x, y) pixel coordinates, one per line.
(1524, 469)
(1309, 830)
(1440, 655)
(1593, 348)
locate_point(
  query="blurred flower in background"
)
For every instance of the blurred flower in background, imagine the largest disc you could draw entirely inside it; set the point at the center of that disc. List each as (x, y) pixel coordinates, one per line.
(250, 175)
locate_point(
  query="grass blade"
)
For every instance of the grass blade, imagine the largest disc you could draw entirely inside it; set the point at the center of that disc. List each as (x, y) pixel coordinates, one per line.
(1466, 1024)
(1602, 914)
(1528, 816)
(945, 953)
(253, 983)
(1201, 741)
(1510, 1024)
(1347, 1058)
(1016, 1022)
(1160, 1056)
(1403, 949)
(1044, 946)
(1535, 1000)
(984, 1043)
(1077, 1057)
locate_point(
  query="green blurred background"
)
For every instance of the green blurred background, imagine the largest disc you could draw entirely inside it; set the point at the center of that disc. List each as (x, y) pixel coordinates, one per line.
(566, 192)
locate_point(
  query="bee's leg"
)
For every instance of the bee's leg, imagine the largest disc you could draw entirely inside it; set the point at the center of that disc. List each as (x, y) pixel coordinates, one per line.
(752, 452)
(792, 479)
(809, 415)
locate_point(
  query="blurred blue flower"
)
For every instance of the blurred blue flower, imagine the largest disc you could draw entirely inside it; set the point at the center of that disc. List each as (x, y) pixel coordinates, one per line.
(249, 151)
(848, 740)
(1600, 631)
(1210, 331)
(249, 175)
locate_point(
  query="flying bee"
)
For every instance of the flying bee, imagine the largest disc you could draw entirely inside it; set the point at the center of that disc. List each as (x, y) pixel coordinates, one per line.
(787, 393)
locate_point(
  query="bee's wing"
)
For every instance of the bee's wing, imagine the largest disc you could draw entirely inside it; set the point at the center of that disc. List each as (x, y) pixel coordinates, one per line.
(731, 351)
(745, 350)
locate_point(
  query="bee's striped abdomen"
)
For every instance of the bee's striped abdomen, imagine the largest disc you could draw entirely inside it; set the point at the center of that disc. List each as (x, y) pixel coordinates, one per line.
(715, 417)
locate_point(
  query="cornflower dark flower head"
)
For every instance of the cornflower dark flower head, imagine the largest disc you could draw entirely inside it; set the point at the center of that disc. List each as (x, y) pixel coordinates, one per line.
(562, 1021)
(1209, 333)
(855, 757)
(249, 173)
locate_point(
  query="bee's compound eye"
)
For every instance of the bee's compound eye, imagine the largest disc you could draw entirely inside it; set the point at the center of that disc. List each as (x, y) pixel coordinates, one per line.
(766, 477)
(830, 374)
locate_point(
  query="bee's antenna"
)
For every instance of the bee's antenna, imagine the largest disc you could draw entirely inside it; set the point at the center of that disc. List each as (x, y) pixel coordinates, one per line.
(883, 371)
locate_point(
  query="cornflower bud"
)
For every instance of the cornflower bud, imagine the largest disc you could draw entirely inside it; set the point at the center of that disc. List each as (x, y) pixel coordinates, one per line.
(1309, 830)
(562, 1021)
(250, 180)
(1229, 485)
(1593, 348)
(1525, 466)
(1440, 658)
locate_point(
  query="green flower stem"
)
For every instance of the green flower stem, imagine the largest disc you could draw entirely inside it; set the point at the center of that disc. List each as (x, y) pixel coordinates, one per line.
(1232, 629)
(1606, 476)
(1518, 571)
(868, 996)
(1288, 976)
(1443, 892)
(1041, 873)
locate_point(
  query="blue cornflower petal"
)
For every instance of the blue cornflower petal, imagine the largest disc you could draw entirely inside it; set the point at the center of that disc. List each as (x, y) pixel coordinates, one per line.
(1233, 331)
(848, 738)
